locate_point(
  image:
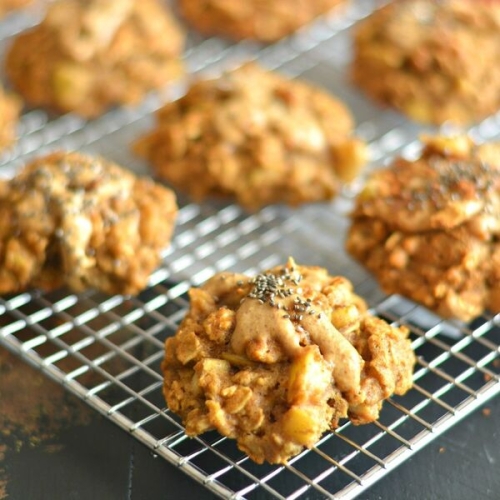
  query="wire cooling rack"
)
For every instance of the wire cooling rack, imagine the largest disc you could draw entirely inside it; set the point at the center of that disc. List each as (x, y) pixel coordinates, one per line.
(107, 349)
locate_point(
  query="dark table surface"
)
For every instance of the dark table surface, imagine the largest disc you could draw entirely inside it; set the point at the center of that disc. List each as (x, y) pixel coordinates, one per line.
(97, 460)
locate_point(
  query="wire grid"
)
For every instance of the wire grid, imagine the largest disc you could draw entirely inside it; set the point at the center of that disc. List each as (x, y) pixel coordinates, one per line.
(107, 349)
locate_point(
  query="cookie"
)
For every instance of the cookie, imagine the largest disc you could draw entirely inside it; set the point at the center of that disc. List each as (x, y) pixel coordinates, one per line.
(433, 61)
(72, 220)
(7, 6)
(87, 56)
(429, 229)
(257, 137)
(275, 360)
(10, 107)
(252, 19)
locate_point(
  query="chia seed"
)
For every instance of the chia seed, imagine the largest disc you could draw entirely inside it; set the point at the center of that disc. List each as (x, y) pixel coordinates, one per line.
(267, 287)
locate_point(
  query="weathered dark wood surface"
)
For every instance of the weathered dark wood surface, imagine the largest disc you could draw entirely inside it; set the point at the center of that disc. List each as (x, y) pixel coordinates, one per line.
(99, 461)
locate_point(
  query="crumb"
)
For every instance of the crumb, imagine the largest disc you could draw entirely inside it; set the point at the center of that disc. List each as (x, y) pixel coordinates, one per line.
(442, 449)
(486, 412)
(53, 447)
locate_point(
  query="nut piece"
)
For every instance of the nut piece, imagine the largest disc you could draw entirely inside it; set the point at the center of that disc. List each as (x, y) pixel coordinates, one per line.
(300, 425)
(253, 135)
(282, 377)
(68, 219)
(72, 85)
(87, 56)
(429, 229)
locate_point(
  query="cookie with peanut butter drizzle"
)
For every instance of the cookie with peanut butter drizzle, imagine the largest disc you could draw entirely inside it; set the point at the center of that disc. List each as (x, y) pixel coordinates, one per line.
(429, 228)
(83, 222)
(276, 360)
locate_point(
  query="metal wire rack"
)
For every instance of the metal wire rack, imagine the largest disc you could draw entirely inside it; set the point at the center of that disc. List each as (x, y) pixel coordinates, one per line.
(107, 350)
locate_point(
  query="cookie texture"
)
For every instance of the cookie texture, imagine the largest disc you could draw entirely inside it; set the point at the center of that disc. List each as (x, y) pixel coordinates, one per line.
(10, 107)
(257, 137)
(88, 55)
(434, 61)
(71, 220)
(253, 19)
(276, 360)
(8, 6)
(429, 229)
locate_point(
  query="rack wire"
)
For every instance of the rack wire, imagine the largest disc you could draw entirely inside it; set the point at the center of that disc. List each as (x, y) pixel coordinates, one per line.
(107, 349)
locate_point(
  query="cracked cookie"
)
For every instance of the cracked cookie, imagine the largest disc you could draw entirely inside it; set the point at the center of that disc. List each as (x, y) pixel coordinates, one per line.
(276, 360)
(429, 229)
(253, 19)
(87, 56)
(434, 61)
(255, 136)
(72, 220)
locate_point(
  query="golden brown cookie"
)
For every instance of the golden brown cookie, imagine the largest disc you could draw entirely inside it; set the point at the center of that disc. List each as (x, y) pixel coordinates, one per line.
(434, 61)
(255, 136)
(276, 360)
(254, 19)
(70, 219)
(7, 6)
(10, 107)
(429, 229)
(89, 55)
